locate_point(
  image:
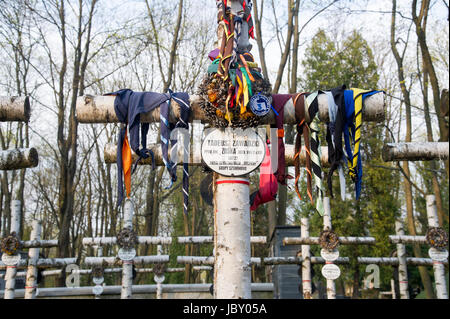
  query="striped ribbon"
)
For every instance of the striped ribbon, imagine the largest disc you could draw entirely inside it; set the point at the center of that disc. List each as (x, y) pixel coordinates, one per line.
(352, 133)
(302, 130)
(332, 111)
(247, 6)
(312, 106)
(237, 35)
(166, 128)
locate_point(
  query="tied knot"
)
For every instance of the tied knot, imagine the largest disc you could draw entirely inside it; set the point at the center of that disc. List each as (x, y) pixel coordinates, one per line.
(352, 173)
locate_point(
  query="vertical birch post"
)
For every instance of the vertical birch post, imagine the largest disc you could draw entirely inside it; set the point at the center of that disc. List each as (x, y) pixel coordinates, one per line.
(99, 254)
(402, 265)
(331, 286)
(12, 270)
(438, 266)
(232, 268)
(127, 266)
(394, 296)
(306, 263)
(33, 256)
(159, 283)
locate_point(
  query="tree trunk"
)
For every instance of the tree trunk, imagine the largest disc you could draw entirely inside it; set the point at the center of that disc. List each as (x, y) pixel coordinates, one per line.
(407, 185)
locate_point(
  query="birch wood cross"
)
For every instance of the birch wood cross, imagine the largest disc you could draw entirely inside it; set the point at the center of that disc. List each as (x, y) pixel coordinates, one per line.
(33, 263)
(127, 265)
(402, 261)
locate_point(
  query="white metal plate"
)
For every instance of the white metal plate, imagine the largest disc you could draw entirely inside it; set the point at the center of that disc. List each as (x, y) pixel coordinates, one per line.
(329, 255)
(97, 290)
(10, 260)
(127, 254)
(331, 271)
(438, 254)
(233, 152)
(159, 279)
(98, 280)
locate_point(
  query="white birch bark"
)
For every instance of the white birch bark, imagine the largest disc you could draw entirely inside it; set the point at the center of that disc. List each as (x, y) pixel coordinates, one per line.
(55, 262)
(99, 254)
(39, 243)
(104, 241)
(18, 158)
(426, 151)
(14, 108)
(127, 266)
(402, 265)
(232, 267)
(344, 240)
(204, 260)
(159, 283)
(407, 239)
(110, 155)
(33, 256)
(438, 267)
(209, 239)
(137, 261)
(21, 265)
(139, 289)
(306, 264)
(393, 261)
(331, 286)
(12, 270)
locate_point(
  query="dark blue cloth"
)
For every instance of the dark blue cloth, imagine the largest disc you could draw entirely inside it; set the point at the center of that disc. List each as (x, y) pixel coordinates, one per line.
(349, 127)
(128, 106)
(334, 130)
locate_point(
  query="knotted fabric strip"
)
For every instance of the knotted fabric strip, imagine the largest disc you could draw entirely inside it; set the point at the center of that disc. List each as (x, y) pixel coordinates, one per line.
(237, 35)
(166, 128)
(247, 6)
(279, 100)
(225, 18)
(128, 106)
(333, 155)
(268, 185)
(312, 105)
(352, 126)
(302, 130)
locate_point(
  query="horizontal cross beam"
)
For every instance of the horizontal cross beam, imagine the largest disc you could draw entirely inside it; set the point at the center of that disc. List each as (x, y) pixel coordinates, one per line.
(394, 261)
(18, 158)
(406, 239)
(110, 155)
(427, 151)
(39, 243)
(149, 240)
(342, 240)
(100, 109)
(57, 272)
(44, 263)
(138, 260)
(204, 260)
(136, 289)
(14, 109)
(209, 239)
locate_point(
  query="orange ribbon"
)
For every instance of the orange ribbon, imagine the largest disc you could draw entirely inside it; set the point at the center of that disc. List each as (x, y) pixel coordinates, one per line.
(126, 164)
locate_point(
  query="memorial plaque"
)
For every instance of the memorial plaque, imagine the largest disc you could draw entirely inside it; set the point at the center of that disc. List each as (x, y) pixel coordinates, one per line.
(159, 279)
(127, 254)
(10, 260)
(233, 152)
(97, 290)
(329, 255)
(331, 271)
(438, 254)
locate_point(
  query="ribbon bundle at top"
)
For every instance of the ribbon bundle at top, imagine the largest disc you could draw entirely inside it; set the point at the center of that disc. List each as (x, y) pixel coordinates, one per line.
(233, 77)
